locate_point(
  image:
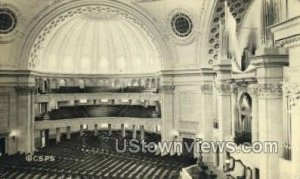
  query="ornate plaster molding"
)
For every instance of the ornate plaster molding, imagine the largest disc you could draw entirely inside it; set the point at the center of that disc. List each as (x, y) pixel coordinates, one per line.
(223, 88)
(245, 87)
(269, 90)
(167, 89)
(6, 38)
(293, 91)
(207, 88)
(169, 34)
(288, 42)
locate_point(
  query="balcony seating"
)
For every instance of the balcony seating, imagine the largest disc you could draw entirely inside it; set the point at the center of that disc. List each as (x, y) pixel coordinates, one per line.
(67, 113)
(99, 111)
(68, 89)
(102, 89)
(103, 110)
(134, 89)
(97, 158)
(137, 111)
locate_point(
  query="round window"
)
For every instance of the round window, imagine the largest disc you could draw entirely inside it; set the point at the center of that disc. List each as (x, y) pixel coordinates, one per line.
(8, 21)
(182, 24)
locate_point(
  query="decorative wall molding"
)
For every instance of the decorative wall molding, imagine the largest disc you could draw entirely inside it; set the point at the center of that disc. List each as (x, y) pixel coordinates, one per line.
(269, 90)
(207, 88)
(292, 90)
(25, 89)
(170, 34)
(245, 88)
(288, 42)
(8, 37)
(116, 96)
(167, 89)
(224, 88)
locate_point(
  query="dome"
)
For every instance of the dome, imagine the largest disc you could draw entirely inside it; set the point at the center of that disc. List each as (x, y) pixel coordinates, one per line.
(97, 43)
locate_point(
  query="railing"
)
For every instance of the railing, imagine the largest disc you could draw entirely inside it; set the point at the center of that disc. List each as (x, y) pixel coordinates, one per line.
(150, 124)
(97, 96)
(47, 82)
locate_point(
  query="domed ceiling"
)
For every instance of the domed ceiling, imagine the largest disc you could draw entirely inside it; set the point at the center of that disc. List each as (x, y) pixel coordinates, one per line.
(92, 40)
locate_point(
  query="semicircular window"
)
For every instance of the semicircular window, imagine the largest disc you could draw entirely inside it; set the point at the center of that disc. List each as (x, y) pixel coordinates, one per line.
(8, 21)
(182, 24)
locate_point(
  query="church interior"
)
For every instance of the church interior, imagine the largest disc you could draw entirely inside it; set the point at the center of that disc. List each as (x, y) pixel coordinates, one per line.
(80, 77)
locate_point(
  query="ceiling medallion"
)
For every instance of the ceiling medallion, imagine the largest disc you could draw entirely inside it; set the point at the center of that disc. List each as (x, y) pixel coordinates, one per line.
(9, 18)
(182, 24)
(181, 27)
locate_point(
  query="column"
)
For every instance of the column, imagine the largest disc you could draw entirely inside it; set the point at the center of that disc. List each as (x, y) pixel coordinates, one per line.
(269, 103)
(69, 132)
(134, 131)
(223, 97)
(96, 130)
(25, 115)
(207, 116)
(255, 121)
(109, 130)
(81, 130)
(142, 130)
(167, 124)
(286, 35)
(57, 135)
(295, 113)
(123, 132)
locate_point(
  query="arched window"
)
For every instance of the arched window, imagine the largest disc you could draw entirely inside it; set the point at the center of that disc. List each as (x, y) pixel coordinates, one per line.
(81, 84)
(61, 83)
(243, 125)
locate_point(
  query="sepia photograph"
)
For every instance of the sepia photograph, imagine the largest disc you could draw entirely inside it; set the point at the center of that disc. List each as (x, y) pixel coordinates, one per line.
(149, 89)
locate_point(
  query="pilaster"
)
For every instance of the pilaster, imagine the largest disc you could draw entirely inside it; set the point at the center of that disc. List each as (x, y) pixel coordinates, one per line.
(25, 115)
(269, 70)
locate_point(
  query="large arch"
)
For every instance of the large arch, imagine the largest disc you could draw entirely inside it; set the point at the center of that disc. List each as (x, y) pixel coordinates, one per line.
(46, 16)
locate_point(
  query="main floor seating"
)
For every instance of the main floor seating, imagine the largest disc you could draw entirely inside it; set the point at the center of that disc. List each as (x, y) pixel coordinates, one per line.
(93, 157)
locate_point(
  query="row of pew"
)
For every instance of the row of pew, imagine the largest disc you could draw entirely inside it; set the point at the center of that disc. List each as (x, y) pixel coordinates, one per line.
(94, 157)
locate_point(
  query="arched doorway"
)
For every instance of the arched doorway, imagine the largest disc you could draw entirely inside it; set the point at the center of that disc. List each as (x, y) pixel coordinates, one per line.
(243, 123)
